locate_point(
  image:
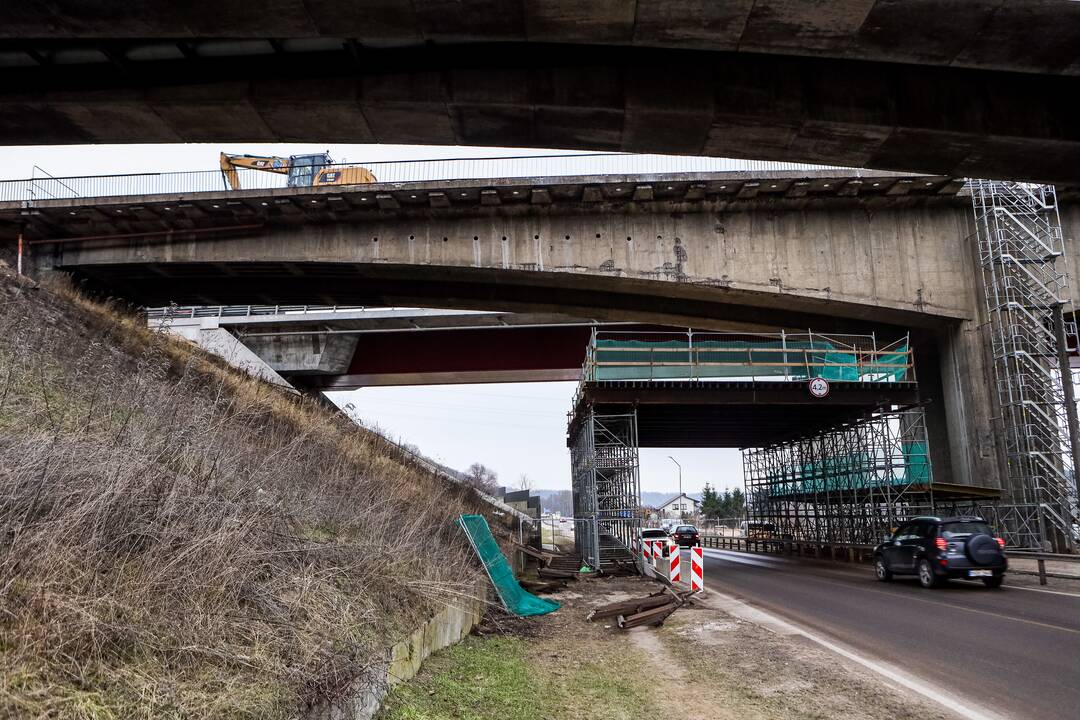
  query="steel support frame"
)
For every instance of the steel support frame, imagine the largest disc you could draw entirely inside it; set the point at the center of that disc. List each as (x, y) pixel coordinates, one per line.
(1024, 279)
(849, 484)
(606, 486)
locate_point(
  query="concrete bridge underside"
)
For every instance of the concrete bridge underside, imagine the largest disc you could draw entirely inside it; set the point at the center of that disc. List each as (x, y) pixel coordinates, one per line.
(865, 261)
(982, 88)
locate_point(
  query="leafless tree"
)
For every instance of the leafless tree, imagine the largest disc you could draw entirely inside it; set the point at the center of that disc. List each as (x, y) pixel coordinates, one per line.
(482, 478)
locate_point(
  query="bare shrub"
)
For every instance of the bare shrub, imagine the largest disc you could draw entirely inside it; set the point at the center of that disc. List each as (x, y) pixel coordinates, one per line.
(178, 540)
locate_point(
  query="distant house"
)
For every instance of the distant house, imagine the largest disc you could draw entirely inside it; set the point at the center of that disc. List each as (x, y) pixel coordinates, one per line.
(677, 506)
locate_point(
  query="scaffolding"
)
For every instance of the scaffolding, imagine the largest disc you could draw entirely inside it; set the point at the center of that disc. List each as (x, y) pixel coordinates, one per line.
(848, 484)
(1025, 287)
(781, 357)
(606, 488)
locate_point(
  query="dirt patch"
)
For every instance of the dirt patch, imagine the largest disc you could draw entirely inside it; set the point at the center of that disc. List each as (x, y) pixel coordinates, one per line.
(769, 675)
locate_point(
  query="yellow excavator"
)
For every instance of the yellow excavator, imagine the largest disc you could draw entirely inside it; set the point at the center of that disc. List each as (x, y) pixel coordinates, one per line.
(303, 170)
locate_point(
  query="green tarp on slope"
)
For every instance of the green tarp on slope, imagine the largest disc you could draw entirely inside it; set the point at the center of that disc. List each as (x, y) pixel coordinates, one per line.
(514, 597)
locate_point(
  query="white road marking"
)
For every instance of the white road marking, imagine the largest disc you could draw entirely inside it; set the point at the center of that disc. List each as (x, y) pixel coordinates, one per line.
(1040, 590)
(759, 561)
(744, 611)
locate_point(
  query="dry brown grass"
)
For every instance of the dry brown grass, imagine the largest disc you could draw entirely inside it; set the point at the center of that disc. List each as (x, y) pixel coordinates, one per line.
(177, 540)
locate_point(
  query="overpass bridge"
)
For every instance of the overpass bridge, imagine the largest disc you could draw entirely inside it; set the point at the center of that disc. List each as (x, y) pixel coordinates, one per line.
(973, 273)
(327, 348)
(952, 88)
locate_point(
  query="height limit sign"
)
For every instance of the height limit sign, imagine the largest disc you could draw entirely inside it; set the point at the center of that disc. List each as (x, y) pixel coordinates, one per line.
(819, 387)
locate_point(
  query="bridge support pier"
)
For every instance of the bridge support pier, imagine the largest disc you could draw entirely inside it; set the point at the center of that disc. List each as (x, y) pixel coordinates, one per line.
(968, 410)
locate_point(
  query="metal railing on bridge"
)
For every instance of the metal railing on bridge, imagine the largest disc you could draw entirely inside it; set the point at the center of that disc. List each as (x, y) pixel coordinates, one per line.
(184, 312)
(49, 187)
(617, 355)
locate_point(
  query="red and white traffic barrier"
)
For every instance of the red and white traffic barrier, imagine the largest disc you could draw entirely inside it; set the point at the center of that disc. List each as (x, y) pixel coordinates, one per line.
(674, 562)
(657, 553)
(696, 583)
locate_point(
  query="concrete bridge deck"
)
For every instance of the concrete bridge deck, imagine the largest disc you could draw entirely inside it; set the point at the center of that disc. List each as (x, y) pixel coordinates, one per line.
(307, 245)
(982, 88)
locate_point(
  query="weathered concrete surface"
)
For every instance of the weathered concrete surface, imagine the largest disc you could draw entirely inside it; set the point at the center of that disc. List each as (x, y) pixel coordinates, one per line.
(964, 414)
(981, 88)
(447, 627)
(315, 354)
(904, 266)
(221, 342)
(1033, 36)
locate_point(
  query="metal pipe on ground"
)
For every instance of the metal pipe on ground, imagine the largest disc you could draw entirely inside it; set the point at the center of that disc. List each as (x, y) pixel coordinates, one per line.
(656, 616)
(630, 607)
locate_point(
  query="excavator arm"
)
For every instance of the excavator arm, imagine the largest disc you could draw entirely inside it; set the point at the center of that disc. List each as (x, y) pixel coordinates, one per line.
(229, 164)
(303, 170)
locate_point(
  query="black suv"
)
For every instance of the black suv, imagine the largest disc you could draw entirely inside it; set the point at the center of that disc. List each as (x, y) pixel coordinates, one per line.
(937, 549)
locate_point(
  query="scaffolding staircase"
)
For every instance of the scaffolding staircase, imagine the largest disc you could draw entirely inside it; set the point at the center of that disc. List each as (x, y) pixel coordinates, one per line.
(1023, 269)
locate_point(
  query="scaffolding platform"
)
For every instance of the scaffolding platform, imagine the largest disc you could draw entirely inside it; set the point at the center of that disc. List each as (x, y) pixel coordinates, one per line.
(666, 389)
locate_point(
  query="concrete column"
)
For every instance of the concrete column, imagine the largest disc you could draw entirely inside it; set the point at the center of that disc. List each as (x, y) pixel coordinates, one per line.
(976, 446)
(928, 371)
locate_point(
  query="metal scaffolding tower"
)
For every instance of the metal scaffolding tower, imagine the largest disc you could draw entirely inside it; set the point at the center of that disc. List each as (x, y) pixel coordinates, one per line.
(606, 488)
(1025, 285)
(850, 484)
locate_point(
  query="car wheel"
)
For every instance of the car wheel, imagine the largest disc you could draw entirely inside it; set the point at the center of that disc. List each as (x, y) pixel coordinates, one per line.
(926, 574)
(882, 570)
(994, 582)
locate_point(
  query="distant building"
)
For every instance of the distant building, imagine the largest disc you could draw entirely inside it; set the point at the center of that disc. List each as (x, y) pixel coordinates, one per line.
(522, 500)
(678, 506)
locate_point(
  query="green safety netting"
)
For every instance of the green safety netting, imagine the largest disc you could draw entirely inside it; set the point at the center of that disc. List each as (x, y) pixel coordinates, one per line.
(514, 597)
(850, 472)
(797, 359)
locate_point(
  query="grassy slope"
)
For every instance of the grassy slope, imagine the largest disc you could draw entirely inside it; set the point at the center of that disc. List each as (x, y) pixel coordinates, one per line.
(177, 540)
(502, 678)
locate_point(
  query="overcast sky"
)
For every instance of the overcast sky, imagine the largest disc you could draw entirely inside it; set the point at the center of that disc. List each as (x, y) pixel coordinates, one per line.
(512, 428)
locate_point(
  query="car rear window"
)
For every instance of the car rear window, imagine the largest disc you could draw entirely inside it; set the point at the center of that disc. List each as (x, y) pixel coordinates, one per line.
(686, 529)
(653, 533)
(955, 529)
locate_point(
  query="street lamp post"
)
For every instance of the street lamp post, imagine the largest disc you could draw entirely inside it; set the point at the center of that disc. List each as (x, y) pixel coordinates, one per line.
(680, 476)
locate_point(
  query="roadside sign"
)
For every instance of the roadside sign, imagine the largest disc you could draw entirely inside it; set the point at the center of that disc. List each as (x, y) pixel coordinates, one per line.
(674, 562)
(819, 387)
(696, 584)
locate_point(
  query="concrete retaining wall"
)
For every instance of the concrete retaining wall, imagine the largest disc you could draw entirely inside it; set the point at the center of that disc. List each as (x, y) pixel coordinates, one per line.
(446, 628)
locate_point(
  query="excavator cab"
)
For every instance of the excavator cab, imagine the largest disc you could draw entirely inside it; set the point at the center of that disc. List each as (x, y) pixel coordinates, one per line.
(304, 168)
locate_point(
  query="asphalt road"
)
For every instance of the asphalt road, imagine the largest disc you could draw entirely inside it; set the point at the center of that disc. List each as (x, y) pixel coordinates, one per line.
(1012, 650)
